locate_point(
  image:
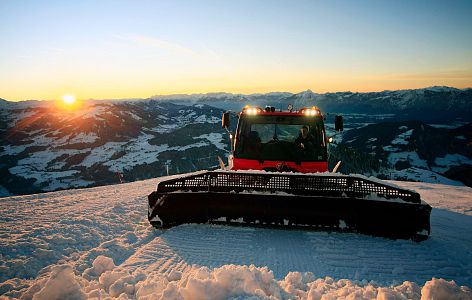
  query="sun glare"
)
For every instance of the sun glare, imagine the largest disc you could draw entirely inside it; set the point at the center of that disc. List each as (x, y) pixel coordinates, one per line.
(68, 99)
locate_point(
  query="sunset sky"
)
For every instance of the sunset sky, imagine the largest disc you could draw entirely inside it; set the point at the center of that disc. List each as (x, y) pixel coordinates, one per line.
(136, 49)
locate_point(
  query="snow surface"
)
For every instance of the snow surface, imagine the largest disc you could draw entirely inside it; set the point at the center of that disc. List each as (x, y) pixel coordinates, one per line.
(409, 156)
(402, 138)
(97, 243)
(18, 117)
(88, 138)
(449, 160)
(102, 153)
(165, 128)
(51, 180)
(457, 199)
(422, 175)
(139, 152)
(215, 139)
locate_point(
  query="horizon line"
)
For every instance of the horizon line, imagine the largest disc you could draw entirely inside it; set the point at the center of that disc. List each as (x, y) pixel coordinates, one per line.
(244, 94)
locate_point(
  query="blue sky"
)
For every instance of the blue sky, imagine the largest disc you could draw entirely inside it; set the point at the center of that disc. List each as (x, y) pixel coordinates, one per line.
(121, 49)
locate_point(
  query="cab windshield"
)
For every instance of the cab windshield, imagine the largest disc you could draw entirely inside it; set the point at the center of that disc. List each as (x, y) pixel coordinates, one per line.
(281, 138)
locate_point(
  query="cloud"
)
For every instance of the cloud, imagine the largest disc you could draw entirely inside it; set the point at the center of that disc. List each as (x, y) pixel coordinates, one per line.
(159, 44)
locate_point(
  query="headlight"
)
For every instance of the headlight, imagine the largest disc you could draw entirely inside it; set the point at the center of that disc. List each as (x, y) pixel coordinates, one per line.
(252, 110)
(310, 112)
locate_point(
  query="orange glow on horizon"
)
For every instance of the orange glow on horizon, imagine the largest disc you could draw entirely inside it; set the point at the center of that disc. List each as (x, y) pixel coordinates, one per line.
(296, 84)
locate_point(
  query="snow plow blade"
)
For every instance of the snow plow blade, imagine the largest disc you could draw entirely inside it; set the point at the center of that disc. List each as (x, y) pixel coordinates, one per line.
(328, 202)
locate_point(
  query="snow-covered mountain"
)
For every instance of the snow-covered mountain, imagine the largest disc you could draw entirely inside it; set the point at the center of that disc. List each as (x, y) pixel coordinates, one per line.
(439, 104)
(96, 243)
(43, 148)
(408, 150)
(46, 148)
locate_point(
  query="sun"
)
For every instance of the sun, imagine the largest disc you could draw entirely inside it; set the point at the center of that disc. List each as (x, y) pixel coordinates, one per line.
(68, 99)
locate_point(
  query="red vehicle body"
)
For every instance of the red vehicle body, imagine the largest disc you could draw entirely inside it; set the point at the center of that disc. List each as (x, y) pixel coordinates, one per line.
(266, 139)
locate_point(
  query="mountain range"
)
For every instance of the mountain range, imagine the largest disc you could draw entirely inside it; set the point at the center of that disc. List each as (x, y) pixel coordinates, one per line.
(45, 148)
(438, 103)
(408, 150)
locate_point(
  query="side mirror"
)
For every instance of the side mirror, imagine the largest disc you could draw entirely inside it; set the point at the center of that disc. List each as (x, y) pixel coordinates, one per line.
(339, 123)
(225, 120)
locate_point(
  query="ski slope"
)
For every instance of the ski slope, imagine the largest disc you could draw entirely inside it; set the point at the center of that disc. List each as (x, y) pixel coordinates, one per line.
(96, 243)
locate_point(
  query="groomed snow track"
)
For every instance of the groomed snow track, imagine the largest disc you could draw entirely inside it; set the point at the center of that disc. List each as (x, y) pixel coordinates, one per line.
(96, 243)
(327, 201)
